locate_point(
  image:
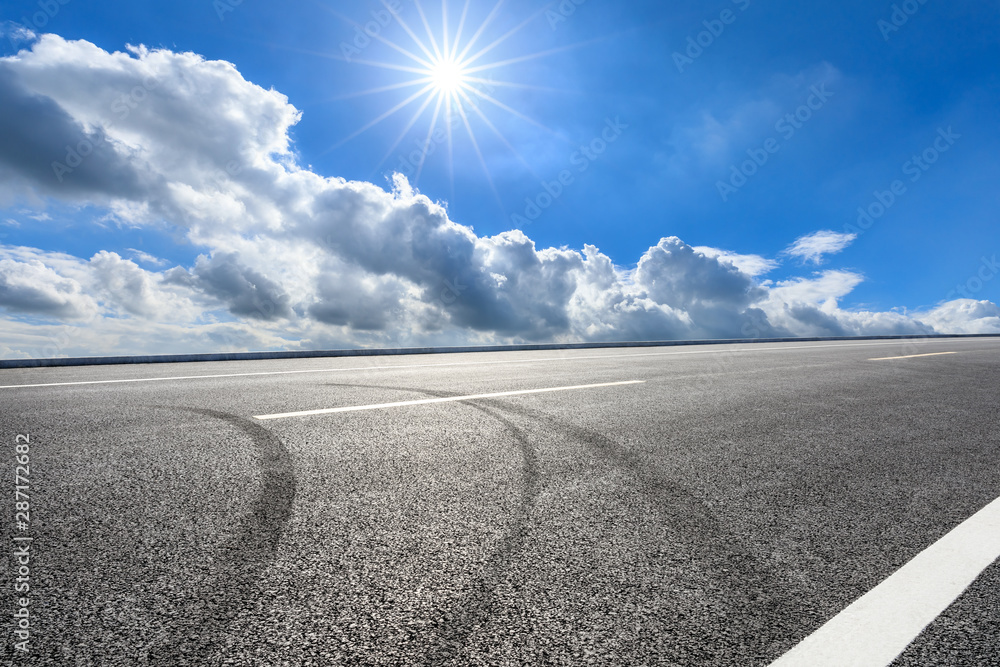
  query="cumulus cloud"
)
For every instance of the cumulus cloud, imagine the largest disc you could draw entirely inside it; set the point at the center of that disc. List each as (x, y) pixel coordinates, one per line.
(814, 247)
(297, 260)
(32, 288)
(37, 133)
(245, 291)
(752, 265)
(124, 288)
(964, 316)
(36, 282)
(811, 307)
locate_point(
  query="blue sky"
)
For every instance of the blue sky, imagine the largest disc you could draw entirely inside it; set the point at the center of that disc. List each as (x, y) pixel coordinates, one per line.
(645, 109)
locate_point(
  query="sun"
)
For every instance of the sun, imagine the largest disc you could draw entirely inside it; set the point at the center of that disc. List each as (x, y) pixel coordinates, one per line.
(448, 76)
(450, 70)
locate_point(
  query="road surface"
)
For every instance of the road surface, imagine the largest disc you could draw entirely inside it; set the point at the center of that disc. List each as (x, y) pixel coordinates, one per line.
(699, 505)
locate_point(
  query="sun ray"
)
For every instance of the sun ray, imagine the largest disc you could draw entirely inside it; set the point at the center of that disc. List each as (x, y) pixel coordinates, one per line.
(378, 120)
(415, 58)
(513, 31)
(532, 56)
(391, 66)
(515, 112)
(341, 58)
(444, 29)
(522, 86)
(499, 134)
(479, 32)
(406, 130)
(482, 160)
(378, 36)
(430, 32)
(451, 149)
(413, 36)
(383, 89)
(461, 27)
(427, 141)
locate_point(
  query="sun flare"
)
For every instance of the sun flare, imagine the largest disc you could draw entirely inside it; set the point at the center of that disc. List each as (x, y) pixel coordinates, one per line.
(449, 76)
(451, 71)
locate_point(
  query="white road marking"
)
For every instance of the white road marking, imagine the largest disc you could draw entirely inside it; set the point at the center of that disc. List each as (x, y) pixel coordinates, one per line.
(449, 399)
(717, 349)
(914, 356)
(879, 626)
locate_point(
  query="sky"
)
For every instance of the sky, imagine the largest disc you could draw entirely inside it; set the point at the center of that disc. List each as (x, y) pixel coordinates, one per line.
(226, 175)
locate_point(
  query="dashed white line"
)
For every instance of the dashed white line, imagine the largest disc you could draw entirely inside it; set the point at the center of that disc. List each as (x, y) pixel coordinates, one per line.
(914, 356)
(716, 349)
(449, 399)
(879, 626)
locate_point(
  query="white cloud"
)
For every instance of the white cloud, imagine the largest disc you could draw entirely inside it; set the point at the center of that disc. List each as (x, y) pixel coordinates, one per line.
(824, 289)
(146, 258)
(71, 288)
(297, 260)
(813, 247)
(811, 307)
(16, 33)
(752, 265)
(32, 288)
(964, 316)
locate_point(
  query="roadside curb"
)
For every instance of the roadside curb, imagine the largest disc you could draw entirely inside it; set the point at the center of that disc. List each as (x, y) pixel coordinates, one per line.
(378, 352)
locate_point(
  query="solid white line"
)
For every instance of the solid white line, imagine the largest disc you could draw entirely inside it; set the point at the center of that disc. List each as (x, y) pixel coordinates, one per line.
(716, 349)
(879, 626)
(449, 399)
(914, 356)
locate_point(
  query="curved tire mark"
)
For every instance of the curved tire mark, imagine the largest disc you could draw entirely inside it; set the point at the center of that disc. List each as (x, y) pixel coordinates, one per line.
(195, 637)
(475, 606)
(723, 555)
(740, 572)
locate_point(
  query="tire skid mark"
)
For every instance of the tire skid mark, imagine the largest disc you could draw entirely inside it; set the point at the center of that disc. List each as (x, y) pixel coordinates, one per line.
(757, 596)
(757, 602)
(477, 603)
(699, 531)
(195, 637)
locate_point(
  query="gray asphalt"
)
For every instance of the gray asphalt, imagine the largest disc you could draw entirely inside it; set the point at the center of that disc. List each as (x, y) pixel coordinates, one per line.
(715, 515)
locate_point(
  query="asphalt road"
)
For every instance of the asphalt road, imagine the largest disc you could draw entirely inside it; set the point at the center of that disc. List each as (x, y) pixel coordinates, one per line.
(716, 514)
